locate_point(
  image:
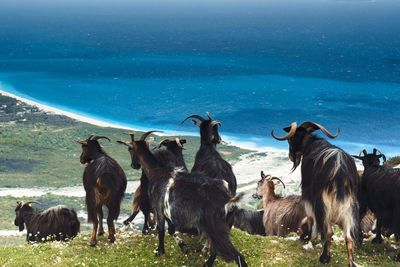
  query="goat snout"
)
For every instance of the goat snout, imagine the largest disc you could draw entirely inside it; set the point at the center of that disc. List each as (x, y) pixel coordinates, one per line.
(135, 166)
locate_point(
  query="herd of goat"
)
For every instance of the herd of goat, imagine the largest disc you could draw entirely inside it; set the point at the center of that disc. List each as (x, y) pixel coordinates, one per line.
(203, 201)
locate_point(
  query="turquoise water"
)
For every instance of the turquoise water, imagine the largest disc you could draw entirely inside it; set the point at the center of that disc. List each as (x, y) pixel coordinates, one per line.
(255, 65)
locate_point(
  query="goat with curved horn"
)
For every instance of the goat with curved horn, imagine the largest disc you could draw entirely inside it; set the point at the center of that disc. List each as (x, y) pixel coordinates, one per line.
(132, 135)
(209, 116)
(95, 138)
(124, 143)
(312, 126)
(276, 178)
(195, 116)
(292, 131)
(146, 134)
(363, 151)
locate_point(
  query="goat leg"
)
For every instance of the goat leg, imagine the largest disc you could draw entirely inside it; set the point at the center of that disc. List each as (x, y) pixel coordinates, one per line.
(131, 218)
(93, 240)
(145, 229)
(161, 234)
(111, 230)
(378, 236)
(100, 216)
(211, 259)
(327, 237)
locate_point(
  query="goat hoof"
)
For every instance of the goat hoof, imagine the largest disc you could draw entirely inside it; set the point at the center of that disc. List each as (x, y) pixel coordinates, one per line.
(377, 240)
(126, 223)
(93, 243)
(159, 253)
(397, 257)
(324, 259)
(111, 239)
(100, 233)
(184, 249)
(145, 232)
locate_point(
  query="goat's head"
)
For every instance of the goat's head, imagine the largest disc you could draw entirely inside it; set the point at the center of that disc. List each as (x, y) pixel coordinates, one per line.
(297, 137)
(19, 213)
(208, 128)
(373, 159)
(171, 145)
(266, 186)
(133, 147)
(91, 148)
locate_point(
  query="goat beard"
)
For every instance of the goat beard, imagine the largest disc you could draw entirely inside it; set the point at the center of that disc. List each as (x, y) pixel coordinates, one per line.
(21, 227)
(296, 162)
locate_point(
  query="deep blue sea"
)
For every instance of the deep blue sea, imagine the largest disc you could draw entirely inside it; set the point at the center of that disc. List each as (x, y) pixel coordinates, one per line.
(255, 65)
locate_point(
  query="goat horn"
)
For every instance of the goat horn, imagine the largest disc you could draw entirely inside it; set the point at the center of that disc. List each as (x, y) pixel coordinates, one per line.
(90, 137)
(178, 142)
(292, 131)
(209, 116)
(132, 135)
(200, 118)
(312, 126)
(146, 134)
(363, 151)
(101, 137)
(380, 153)
(162, 142)
(276, 178)
(216, 122)
(124, 143)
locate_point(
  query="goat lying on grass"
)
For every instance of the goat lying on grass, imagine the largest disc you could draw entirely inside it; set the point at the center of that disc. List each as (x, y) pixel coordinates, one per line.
(56, 223)
(282, 215)
(250, 221)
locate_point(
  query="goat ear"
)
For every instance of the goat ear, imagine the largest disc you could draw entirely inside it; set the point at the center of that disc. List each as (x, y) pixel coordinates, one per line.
(357, 157)
(150, 140)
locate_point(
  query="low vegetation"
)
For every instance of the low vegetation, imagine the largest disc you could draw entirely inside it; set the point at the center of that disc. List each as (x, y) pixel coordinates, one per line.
(132, 249)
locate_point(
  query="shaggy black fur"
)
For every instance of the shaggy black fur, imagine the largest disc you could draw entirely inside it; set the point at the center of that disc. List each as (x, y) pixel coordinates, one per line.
(57, 223)
(380, 187)
(187, 201)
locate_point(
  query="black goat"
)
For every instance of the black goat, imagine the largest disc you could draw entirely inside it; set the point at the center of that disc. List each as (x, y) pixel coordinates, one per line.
(105, 183)
(172, 156)
(380, 187)
(329, 182)
(208, 160)
(186, 201)
(250, 221)
(56, 223)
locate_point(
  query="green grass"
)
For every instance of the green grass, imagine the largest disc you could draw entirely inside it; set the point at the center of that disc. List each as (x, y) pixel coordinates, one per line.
(39, 149)
(133, 249)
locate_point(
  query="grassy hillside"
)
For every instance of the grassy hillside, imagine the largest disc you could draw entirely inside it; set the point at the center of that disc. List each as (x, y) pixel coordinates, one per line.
(136, 250)
(39, 149)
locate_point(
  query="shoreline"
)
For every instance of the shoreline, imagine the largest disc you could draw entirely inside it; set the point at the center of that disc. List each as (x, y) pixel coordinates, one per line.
(228, 139)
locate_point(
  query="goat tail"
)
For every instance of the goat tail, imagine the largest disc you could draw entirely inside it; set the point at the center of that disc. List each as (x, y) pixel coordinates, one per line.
(217, 232)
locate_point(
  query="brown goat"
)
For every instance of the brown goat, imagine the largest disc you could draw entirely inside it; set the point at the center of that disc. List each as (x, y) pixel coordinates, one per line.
(282, 215)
